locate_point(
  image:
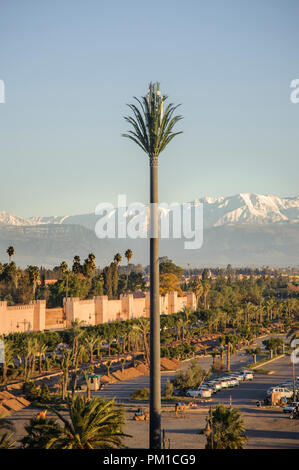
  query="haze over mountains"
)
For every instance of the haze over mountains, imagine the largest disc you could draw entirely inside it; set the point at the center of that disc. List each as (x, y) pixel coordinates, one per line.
(243, 229)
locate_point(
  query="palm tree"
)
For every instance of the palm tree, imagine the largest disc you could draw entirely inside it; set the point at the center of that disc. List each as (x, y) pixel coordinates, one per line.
(123, 361)
(64, 270)
(77, 268)
(65, 366)
(152, 132)
(108, 367)
(9, 354)
(10, 251)
(206, 289)
(197, 288)
(6, 441)
(34, 276)
(117, 258)
(226, 429)
(92, 424)
(142, 326)
(91, 340)
(128, 255)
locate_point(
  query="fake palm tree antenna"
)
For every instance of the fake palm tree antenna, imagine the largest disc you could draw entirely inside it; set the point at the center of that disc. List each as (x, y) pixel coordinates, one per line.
(153, 128)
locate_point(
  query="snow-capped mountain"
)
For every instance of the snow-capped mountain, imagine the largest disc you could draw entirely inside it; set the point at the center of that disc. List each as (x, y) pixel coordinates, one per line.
(244, 229)
(244, 208)
(250, 208)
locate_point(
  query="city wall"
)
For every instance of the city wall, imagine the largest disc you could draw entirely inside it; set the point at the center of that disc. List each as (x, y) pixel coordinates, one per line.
(35, 316)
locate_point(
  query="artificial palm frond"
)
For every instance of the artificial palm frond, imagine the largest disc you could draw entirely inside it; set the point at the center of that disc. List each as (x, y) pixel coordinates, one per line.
(152, 128)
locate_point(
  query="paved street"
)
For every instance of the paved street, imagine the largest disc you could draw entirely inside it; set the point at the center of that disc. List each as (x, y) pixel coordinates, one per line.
(122, 391)
(266, 428)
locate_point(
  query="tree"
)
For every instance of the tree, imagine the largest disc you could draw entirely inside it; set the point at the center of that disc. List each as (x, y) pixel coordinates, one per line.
(117, 258)
(64, 270)
(197, 287)
(253, 352)
(9, 355)
(34, 276)
(108, 367)
(168, 389)
(92, 424)
(129, 256)
(142, 326)
(77, 268)
(6, 428)
(10, 251)
(226, 429)
(42, 349)
(65, 365)
(169, 282)
(152, 132)
(206, 289)
(91, 340)
(273, 344)
(230, 342)
(89, 265)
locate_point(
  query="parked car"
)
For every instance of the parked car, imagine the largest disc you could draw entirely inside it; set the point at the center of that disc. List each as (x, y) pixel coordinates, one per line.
(248, 375)
(234, 382)
(223, 383)
(199, 393)
(238, 376)
(215, 384)
(291, 407)
(285, 392)
(229, 380)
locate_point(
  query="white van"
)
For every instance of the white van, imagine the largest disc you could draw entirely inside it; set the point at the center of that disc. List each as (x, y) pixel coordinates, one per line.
(285, 392)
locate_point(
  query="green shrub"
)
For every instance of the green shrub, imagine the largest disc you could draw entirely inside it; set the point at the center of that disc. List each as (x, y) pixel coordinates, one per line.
(140, 394)
(168, 389)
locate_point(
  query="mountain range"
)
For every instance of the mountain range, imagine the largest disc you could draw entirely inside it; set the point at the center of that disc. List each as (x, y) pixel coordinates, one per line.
(243, 229)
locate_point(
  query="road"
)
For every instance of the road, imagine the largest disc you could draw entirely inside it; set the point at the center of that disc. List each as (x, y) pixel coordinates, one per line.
(265, 428)
(122, 391)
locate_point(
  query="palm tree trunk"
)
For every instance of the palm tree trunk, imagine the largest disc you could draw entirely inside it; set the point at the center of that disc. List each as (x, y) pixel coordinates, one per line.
(228, 357)
(4, 372)
(155, 374)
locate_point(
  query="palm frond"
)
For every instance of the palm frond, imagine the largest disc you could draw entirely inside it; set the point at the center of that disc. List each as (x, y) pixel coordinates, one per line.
(152, 129)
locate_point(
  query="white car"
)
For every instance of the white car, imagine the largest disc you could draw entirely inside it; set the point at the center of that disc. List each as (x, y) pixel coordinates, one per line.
(285, 392)
(229, 380)
(224, 383)
(199, 393)
(238, 376)
(234, 381)
(248, 375)
(215, 384)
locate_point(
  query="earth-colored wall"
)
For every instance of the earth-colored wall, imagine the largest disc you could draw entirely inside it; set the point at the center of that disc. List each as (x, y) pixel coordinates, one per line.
(35, 316)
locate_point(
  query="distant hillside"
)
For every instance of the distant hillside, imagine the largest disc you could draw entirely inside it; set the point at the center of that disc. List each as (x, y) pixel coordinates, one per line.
(244, 208)
(241, 244)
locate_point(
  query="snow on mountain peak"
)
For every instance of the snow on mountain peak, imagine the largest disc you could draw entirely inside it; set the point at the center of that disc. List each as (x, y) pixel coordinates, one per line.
(249, 208)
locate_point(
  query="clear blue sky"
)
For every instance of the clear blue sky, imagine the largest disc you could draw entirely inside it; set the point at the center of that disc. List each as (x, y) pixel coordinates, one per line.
(70, 67)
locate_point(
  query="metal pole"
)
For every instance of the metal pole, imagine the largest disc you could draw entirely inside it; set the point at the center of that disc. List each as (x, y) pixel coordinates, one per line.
(155, 375)
(294, 387)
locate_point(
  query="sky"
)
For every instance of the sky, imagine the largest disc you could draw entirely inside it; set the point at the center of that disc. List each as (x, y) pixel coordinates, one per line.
(71, 66)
